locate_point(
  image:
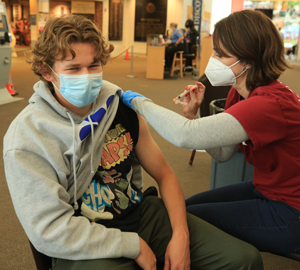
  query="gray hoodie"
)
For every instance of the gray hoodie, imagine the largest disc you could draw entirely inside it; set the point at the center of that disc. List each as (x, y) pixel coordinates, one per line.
(43, 147)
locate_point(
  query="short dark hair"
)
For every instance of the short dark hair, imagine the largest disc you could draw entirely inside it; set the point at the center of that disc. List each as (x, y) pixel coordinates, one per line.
(253, 38)
(189, 24)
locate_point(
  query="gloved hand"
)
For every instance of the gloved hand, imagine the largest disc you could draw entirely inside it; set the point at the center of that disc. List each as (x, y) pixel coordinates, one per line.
(128, 96)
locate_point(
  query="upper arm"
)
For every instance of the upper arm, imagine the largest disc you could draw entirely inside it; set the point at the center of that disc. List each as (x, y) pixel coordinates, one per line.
(149, 154)
(181, 38)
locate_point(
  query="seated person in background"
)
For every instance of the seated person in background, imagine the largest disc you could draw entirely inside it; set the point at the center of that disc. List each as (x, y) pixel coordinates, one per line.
(71, 166)
(175, 44)
(190, 39)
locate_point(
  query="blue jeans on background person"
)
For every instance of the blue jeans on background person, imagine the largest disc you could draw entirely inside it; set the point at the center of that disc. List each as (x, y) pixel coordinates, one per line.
(243, 212)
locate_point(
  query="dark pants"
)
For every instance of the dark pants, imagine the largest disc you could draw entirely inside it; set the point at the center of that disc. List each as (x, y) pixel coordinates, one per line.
(241, 211)
(189, 59)
(210, 247)
(169, 54)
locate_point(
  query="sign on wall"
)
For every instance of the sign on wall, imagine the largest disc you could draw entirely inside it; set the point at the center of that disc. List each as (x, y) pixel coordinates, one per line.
(116, 19)
(17, 13)
(197, 14)
(43, 6)
(150, 18)
(83, 7)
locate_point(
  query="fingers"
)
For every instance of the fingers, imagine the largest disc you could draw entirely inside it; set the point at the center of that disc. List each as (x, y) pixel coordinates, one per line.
(167, 264)
(189, 87)
(200, 85)
(200, 91)
(146, 258)
(193, 93)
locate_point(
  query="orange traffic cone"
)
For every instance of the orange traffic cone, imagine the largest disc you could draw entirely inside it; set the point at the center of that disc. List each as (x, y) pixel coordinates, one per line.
(127, 55)
(10, 87)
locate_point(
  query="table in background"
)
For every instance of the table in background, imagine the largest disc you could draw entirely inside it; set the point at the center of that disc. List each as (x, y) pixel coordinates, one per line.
(155, 62)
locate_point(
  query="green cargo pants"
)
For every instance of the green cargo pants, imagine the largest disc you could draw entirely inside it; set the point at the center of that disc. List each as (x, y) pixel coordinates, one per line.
(210, 247)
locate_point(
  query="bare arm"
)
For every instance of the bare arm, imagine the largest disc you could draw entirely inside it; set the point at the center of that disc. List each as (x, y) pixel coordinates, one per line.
(153, 161)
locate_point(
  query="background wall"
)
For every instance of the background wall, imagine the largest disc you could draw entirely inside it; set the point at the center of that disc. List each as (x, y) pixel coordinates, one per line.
(176, 12)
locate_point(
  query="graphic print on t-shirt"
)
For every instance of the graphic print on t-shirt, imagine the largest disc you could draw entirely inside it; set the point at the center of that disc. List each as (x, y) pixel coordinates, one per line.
(111, 195)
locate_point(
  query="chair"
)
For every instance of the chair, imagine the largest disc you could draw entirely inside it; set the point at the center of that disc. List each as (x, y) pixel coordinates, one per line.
(42, 261)
(177, 63)
(191, 56)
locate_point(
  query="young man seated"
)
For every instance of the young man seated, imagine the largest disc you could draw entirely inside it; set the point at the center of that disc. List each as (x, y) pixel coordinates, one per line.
(72, 162)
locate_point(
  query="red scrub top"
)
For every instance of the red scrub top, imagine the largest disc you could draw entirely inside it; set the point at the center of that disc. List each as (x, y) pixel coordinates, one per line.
(271, 118)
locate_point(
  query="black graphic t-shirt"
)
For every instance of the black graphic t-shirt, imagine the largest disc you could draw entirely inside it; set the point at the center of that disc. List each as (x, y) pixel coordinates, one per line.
(111, 199)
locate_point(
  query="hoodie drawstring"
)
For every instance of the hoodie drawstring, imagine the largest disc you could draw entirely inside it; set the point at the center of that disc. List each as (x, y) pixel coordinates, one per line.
(74, 155)
(74, 162)
(92, 154)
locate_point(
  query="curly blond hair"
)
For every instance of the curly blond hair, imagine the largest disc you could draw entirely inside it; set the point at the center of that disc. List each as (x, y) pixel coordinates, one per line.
(57, 38)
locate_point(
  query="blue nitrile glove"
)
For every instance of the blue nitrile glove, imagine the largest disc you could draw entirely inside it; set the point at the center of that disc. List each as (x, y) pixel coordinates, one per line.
(128, 96)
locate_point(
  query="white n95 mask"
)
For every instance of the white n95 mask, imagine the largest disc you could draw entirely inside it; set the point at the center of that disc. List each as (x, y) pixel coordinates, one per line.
(221, 75)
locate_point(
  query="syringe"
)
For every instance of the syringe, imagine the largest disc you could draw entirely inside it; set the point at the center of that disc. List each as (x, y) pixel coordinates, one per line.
(177, 99)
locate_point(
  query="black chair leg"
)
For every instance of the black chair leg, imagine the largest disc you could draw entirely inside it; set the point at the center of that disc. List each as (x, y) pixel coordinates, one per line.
(192, 157)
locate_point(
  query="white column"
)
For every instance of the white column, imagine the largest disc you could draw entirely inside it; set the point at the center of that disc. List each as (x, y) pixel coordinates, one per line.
(220, 10)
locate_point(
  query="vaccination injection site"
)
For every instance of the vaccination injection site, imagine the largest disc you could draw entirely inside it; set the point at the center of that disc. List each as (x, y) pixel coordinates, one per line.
(150, 134)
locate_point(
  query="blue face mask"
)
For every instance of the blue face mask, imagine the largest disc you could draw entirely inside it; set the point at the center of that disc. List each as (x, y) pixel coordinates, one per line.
(80, 90)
